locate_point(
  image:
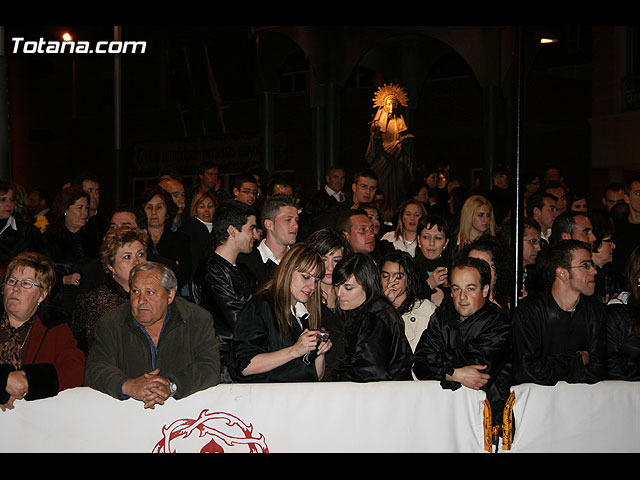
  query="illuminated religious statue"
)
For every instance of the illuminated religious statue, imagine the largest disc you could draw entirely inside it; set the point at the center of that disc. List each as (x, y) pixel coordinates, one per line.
(390, 144)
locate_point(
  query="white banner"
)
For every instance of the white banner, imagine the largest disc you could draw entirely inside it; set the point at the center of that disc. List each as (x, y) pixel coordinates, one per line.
(565, 418)
(299, 417)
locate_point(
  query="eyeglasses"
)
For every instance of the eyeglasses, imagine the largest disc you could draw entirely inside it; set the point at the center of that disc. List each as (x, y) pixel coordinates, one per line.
(26, 284)
(587, 265)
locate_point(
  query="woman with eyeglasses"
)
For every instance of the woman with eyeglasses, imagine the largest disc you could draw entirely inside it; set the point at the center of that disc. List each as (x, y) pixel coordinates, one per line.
(38, 355)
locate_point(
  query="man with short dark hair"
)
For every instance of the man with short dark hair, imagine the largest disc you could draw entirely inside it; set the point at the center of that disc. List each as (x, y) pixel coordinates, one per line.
(467, 342)
(331, 194)
(357, 227)
(279, 185)
(208, 180)
(91, 185)
(542, 209)
(553, 173)
(155, 346)
(176, 189)
(364, 186)
(330, 199)
(627, 231)
(572, 225)
(38, 204)
(279, 218)
(221, 287)
(613, 194)
(558, 190)
(123, 215)
(558, 333)
(531, 246)
(245, 189)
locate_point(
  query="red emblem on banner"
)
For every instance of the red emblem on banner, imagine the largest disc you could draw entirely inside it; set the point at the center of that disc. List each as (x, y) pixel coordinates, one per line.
(215, 432)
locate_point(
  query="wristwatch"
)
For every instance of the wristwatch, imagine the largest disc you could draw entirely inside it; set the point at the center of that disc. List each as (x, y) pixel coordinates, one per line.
(173, 387)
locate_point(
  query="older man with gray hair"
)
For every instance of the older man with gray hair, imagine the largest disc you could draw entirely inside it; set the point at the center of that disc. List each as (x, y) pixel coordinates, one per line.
(128, 360)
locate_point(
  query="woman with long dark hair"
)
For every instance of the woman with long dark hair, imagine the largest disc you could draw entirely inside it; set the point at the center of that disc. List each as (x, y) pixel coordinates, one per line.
(402, 286)
(376, 347)
(332, 247)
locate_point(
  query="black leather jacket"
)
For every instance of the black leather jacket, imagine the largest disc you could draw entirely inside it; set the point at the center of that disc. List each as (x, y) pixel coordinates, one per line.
(547, 340)
(376, 347)
(220, 288)
(623, 346)
(257, 332)
(482, 339)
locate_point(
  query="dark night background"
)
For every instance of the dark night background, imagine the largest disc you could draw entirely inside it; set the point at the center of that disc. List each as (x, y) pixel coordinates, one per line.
(296, 99)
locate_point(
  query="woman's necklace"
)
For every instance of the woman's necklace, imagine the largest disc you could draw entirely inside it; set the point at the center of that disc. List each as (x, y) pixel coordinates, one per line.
(409, 242)
(26, 337)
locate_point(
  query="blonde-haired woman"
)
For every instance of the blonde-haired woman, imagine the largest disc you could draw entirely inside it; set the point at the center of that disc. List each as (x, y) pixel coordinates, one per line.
(198, 226)
(276, 337)
(476, 220)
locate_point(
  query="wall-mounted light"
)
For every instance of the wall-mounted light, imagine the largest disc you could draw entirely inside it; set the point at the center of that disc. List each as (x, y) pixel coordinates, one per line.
(67, 37)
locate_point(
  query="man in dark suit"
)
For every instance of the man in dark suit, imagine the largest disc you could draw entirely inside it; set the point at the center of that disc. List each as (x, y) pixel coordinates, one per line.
(363, 190)
(329, 198)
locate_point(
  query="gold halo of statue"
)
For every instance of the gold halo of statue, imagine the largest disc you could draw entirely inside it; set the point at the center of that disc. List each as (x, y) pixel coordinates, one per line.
(389, 152)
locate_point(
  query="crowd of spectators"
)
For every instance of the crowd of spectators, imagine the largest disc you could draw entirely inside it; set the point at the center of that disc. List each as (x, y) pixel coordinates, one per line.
(187, 289)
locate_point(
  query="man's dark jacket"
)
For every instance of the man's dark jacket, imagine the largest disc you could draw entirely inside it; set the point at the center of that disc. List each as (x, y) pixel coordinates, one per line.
(547, 340)
(484, 338)
(188, 351)
(223, 291)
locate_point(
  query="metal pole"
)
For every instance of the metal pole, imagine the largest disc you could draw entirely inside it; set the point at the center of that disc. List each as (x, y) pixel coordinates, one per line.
(517, 210)
(5, 154)
(117, 65)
